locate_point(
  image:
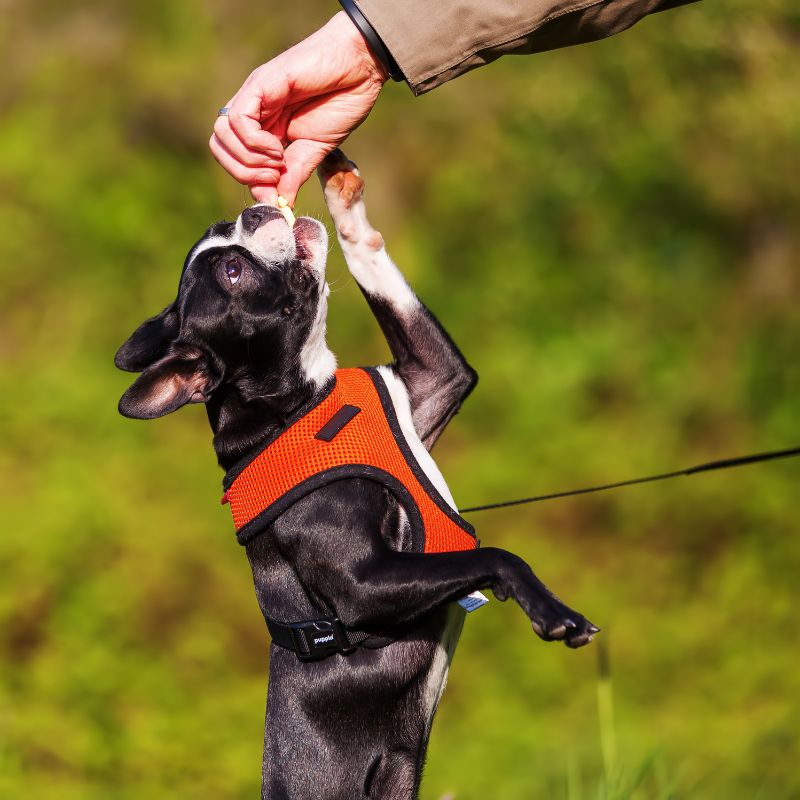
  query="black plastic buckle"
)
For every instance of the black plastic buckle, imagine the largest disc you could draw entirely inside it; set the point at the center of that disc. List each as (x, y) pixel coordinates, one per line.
(318, 639)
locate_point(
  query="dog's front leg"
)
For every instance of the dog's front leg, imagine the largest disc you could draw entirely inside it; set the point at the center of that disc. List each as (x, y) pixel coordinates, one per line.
(371, 587)
(404, 586)
(430, 365)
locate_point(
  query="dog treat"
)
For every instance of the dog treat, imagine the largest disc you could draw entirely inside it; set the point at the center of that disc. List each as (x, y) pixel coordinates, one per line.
(288, 215)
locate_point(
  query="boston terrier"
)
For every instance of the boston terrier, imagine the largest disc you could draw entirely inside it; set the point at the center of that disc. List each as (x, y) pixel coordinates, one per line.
(364, 612)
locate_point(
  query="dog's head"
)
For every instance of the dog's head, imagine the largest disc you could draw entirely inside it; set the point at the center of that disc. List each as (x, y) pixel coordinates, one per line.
(251, 308)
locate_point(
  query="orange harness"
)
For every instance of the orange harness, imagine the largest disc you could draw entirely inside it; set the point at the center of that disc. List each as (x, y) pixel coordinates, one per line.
(352, 432)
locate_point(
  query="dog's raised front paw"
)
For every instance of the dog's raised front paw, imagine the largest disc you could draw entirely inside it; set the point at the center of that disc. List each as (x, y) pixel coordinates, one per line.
(340, 180)
(555, 621)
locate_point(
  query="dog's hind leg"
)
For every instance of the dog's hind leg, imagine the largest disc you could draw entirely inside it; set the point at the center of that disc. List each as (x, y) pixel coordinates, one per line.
(434, 372)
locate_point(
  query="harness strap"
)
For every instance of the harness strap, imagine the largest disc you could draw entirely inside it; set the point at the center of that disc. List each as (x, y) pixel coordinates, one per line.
(314, 640)
(350, 430)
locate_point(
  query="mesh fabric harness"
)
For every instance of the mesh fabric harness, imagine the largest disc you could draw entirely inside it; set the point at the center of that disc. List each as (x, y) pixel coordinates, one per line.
(352, 432)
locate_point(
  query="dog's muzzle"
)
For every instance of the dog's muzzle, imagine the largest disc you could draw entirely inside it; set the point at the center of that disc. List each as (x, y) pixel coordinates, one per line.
(256, 217)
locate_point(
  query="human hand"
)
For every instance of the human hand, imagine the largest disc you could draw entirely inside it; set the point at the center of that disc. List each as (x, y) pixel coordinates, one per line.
(293, 110)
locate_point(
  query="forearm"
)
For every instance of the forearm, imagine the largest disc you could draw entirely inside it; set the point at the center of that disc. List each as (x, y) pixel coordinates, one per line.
(435, 42)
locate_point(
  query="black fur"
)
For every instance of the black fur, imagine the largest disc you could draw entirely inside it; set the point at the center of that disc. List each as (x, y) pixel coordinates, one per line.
(349, 726)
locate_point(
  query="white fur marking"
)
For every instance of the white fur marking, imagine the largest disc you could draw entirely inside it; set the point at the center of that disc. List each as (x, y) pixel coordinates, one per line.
(371, 266)
(316, 359)
(440, 665)
(377, 274)
(213, 241)
(402, 407)
(437, 678)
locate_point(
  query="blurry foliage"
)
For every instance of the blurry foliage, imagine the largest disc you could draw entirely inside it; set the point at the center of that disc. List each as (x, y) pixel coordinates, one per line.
(610, 233)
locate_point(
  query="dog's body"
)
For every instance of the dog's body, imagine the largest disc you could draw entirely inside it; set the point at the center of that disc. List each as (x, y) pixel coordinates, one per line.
(247, 337)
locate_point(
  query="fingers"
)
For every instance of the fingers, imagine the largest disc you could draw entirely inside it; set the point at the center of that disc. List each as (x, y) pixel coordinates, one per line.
(243, 154)
(312, 95)
(302, 158)
(252, 155)
(265, 194)
(248, 175)
(247, 114)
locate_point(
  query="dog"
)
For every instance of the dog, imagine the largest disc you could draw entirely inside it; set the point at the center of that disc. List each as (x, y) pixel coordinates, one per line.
(246, 336)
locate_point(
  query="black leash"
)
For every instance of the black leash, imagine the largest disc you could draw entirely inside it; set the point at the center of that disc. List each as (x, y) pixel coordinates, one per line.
(724, 463)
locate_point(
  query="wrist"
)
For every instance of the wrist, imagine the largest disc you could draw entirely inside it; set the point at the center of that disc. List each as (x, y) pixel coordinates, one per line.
(379, 57)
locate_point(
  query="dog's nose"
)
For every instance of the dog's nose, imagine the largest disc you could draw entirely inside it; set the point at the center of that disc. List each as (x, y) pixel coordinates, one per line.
(256, 216)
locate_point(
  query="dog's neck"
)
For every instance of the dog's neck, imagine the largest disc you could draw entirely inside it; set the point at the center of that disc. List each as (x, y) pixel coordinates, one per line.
(250, 408)
(261, 393)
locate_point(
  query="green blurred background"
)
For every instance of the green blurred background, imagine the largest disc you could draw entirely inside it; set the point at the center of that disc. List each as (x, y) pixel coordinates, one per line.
(609, 232)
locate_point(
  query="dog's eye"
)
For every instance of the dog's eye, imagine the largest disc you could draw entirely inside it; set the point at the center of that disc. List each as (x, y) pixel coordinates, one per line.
(234, 271)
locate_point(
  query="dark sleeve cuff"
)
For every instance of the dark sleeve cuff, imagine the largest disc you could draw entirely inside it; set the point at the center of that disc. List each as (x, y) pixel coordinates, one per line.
(374, 42)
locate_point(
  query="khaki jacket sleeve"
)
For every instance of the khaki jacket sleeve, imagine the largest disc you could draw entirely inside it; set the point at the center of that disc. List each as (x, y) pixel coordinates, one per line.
(436, 40)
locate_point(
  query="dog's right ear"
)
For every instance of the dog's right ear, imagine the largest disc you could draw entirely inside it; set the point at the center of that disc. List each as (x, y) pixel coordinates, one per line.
(172, 382)
(150, 342)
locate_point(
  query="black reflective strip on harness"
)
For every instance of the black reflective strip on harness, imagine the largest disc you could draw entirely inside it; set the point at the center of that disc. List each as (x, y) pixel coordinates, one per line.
(314, 640)
(333, 427)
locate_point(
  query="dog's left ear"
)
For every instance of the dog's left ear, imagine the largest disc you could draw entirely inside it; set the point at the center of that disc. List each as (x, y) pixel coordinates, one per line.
(149, 342)
(169, 384)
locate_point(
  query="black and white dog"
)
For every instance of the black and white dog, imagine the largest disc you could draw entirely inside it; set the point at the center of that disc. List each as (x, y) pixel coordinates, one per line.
(246, 336)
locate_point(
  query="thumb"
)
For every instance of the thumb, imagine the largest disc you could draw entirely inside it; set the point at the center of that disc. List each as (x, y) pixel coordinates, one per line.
(301, 158)
(264, 194)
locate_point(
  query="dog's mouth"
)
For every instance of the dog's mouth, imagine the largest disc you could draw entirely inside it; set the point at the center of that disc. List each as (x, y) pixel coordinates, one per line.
(265, 231)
